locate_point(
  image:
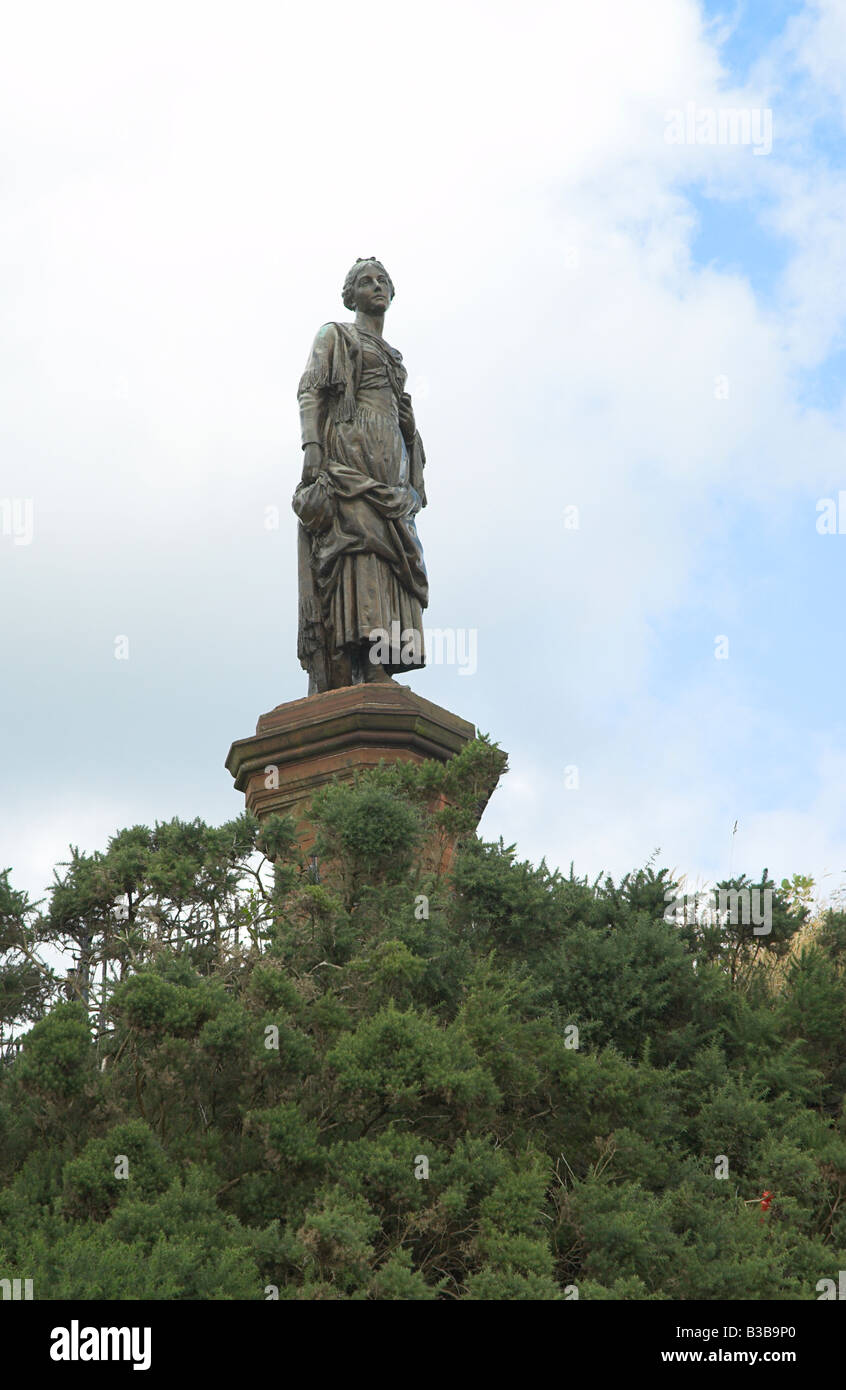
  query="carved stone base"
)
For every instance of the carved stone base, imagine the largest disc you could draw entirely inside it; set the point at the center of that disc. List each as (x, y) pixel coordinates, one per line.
(301, 746)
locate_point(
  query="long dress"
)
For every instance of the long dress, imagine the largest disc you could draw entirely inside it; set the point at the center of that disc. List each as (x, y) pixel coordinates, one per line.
(361, 570)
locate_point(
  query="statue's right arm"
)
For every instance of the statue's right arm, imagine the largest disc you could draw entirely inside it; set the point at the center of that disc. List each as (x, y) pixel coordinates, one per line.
(312, 435)
(312, 399)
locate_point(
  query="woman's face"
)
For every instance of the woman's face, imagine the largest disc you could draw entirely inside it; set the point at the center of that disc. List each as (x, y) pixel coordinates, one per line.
(372, 290)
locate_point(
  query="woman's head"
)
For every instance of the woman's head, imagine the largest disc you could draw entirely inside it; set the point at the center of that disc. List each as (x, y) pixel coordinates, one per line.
(370, 281)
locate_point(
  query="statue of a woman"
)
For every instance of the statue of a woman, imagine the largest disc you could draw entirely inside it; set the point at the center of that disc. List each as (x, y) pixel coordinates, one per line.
(362, 578)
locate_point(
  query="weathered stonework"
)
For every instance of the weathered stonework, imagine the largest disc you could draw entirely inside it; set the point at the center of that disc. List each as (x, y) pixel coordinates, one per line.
(312, 741)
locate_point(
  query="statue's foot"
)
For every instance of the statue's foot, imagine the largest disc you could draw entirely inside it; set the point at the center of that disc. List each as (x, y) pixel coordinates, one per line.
(365, 671)
(360, 665)
(377, 674)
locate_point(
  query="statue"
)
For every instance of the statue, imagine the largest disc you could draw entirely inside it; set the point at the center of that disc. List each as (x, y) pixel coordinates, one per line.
(362, 578)
(362, 592)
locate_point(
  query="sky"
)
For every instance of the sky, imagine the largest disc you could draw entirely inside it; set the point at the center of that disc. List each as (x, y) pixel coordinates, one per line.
(624, 333)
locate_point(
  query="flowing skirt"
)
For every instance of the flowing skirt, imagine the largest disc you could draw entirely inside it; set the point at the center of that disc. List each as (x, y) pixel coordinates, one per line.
(368, 564)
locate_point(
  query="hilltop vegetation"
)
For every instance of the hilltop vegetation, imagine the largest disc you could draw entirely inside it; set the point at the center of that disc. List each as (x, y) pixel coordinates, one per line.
(353, 1079)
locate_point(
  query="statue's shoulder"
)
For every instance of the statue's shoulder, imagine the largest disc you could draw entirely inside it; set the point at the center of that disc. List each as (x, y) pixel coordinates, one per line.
(333, 335)
(333, 329)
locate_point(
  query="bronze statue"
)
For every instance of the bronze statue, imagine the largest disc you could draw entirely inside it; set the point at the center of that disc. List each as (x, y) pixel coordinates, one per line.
(362, 579)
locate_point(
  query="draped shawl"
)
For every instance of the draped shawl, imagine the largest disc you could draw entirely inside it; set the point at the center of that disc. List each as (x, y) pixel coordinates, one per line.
(333, 524)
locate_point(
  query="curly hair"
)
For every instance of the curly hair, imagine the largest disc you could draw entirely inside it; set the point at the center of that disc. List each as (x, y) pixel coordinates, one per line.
(347, 294)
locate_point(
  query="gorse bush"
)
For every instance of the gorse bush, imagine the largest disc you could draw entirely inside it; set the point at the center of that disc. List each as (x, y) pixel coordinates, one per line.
(357, 1079)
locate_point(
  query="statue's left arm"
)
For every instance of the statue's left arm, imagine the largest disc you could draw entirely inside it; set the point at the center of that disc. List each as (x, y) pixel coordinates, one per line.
(414, 444)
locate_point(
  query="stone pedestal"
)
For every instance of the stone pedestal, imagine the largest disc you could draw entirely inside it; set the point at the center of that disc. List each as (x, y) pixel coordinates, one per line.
(300, 746)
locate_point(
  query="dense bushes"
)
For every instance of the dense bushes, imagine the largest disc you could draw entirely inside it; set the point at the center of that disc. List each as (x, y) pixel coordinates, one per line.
(350, 1080)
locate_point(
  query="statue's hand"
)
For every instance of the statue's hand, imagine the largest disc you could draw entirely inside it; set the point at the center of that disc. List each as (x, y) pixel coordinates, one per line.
(406, 417)
(313, 502)
(312, 462)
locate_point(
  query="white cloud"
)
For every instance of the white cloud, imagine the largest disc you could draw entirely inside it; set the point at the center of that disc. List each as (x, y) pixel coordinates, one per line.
(187, 187)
